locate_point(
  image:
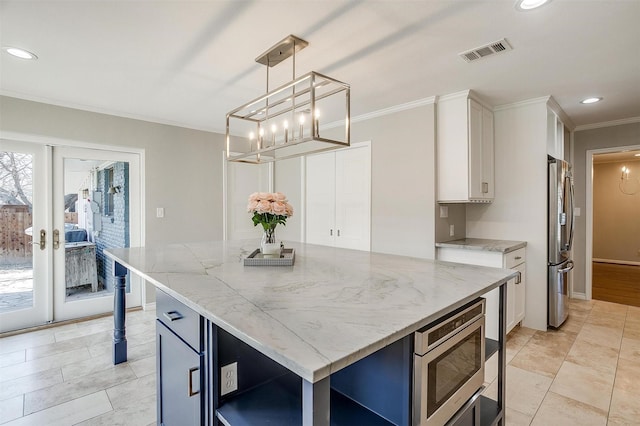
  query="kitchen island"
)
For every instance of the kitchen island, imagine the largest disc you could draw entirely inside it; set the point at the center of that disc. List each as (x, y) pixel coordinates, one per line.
(332, 310)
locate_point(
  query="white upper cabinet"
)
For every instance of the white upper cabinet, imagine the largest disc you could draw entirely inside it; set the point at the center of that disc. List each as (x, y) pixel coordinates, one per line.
(465, 156)
(555, 135)
(338, 193)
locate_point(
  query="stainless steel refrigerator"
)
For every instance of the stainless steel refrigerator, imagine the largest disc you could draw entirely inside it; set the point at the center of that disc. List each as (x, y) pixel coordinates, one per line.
(561, 225)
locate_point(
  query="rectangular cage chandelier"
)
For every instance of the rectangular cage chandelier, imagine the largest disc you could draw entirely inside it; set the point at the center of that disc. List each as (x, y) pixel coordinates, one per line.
(309, 114)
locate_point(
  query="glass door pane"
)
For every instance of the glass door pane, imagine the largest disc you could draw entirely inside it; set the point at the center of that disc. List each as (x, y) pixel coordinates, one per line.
(97, 204)
(23, 224)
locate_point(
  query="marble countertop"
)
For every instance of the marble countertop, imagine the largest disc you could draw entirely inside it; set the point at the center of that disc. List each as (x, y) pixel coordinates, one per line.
(502, 246)
(331, 309)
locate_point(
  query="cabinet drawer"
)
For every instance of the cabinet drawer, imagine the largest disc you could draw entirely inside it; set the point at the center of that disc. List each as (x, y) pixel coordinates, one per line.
(181, 319)
(514, 258)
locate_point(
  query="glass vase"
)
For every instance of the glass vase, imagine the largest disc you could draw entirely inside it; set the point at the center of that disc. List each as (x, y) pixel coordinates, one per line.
(269, 245)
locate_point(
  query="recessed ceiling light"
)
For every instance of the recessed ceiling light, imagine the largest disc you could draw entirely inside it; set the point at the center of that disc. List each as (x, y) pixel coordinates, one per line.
(590, 100)
(524, 5)
(20, 53)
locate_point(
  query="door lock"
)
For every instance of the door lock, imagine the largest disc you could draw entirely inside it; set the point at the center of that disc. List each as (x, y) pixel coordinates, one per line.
(56, 239)
(43, 240)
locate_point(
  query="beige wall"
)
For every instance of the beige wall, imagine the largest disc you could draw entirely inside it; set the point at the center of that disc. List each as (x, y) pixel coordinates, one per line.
(616, 216)
(624, 135)
(183, 167)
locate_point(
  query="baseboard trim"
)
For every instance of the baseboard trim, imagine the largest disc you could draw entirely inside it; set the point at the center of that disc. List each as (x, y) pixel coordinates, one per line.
(150, 306)
(617, 262)
(576, 295)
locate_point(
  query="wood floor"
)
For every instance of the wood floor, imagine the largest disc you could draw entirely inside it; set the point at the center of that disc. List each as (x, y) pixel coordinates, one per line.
(616, 283)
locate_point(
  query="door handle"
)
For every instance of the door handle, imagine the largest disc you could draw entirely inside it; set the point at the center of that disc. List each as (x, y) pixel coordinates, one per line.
(56, 239)
(191, 392)
(43, 240)
(567, 269)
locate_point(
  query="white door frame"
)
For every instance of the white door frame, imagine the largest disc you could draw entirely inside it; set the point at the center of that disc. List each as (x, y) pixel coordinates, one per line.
(588, 278)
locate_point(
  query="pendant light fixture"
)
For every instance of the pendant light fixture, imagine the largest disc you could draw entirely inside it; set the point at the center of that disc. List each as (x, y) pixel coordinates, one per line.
(309, 114)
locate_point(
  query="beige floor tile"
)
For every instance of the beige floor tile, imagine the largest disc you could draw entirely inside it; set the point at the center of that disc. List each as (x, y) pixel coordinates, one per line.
(43, 364)
(584, 384)
(525, 390)
(559, 410)
(598, 357)
(600, 335)
(630, 349)
(606, 320)
(560, 340)
(139, 412)
(123, 394)
(54, 349)
(519, 337)
(69, 413)
(632, 333)
(30, 383)
(578, 315)
(541, 359)
(625, 407)
(144, 366)
(72, 389)
(11, 409)
(87, 366)
(24, 341)
(573, 324)
(614, 309)
(12, 358)
(83, 330)
(583, 305)
(516, 418)
(628, 376)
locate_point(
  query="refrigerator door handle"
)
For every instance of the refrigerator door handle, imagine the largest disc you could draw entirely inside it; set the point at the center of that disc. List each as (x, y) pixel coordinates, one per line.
(571, 211)
(569, 267)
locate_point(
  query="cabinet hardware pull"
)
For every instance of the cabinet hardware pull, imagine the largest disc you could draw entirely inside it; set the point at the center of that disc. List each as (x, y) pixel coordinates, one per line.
(56, 239)
(518, 257)
(331, 232)
(338, 232)
(485, 187)
(191, 371)
(519, 278)
(173, 315)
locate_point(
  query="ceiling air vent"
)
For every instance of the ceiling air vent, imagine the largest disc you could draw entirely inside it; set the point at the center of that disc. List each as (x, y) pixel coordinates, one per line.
(486, 50)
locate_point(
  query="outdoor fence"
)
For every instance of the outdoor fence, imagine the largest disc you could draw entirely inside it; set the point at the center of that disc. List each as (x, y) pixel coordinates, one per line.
(15, 244)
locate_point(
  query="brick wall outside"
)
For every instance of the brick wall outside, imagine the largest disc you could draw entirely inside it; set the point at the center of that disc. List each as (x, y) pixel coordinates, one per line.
(115, 228)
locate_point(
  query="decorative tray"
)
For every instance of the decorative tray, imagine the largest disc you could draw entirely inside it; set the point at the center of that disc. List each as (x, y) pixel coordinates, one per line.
(287, 257)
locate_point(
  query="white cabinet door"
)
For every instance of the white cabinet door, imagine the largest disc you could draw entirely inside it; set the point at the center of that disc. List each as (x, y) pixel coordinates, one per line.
(320, 193)
(519, 294)
(487, 154)
(338, 192)
(475, 150)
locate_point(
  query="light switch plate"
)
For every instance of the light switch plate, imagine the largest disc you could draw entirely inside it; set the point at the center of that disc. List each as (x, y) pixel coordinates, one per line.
(160, 212)
(444, 211)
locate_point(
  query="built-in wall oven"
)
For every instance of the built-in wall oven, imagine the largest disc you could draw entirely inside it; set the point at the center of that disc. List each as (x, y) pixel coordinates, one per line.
(448, 364)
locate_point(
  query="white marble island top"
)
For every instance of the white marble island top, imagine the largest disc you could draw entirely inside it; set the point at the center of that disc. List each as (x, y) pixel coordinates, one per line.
(331, 309)
(502, 246)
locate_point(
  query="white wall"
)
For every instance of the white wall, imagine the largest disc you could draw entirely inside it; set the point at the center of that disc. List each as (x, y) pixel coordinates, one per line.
(519, 211)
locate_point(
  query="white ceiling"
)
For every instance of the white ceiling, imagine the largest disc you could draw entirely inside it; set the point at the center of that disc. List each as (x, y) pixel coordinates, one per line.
(189, 62)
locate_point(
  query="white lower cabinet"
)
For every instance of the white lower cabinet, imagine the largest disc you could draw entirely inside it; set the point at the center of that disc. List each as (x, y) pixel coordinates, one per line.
(515, 288)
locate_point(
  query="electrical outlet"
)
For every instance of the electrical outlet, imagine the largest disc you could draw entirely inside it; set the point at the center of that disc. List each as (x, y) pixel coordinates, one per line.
(452, 231)
(444, 211)
(228, 378)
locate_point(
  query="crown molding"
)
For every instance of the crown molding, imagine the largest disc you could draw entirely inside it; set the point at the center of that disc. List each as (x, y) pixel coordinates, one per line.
(620, 122)
(397, 108)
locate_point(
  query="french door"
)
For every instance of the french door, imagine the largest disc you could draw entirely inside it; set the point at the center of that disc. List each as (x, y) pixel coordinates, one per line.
(85, 201)
(25, 254)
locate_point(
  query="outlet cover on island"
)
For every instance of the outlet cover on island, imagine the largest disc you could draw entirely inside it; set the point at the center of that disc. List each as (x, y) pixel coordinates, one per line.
(228, 378)
(452, 230)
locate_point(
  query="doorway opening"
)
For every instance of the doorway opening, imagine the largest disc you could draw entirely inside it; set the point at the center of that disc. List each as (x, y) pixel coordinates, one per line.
(613, 252)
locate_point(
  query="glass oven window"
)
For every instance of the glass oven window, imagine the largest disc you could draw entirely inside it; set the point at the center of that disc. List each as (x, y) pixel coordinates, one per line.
(451, 370)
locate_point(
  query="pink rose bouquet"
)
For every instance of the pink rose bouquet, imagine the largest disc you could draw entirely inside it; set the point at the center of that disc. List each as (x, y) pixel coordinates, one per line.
(269, 210)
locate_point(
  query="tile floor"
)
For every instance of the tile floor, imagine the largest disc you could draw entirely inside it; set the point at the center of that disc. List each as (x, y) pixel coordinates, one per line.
(586, 373)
